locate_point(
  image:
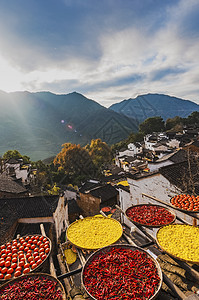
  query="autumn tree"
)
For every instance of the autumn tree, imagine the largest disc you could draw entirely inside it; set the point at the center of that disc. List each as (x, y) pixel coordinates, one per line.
(153, 124)
(100, 152)
(75, 162)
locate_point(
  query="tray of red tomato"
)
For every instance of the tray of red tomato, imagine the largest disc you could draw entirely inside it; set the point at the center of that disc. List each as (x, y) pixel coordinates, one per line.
(23, 255)
(150, 215)
(186, 202)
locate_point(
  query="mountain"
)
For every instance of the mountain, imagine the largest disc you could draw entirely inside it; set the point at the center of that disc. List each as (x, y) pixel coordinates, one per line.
(150, 105)
(37, 124)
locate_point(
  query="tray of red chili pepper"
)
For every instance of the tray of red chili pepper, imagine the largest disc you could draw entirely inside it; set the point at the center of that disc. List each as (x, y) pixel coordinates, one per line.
(186, 202)
(121, 272)
(33, 286)
(150, 215)
(23, 255)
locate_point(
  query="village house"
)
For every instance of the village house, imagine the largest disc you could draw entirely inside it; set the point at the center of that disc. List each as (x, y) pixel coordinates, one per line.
(93, 196)
(132, 150)
(162, 184)
(168, 159)
(15, 167)
(32, 210)
(11, 188)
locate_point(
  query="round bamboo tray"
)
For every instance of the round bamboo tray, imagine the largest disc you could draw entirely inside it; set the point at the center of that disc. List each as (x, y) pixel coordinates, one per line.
(169, 252)
(40, 265)
(32, 275)
(125, 246)
(150, 226)
(88, 234)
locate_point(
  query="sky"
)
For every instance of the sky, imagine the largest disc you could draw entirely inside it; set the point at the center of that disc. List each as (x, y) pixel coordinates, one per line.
(107, 50)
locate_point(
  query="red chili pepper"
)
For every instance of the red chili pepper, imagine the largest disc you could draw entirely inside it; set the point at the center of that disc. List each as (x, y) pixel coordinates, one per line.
(28, 288)
(150, 215)
(121, 273)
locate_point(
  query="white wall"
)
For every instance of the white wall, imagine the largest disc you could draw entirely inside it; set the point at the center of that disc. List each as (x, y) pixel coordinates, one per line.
(69, 195)
(156, 166)
(60, 217)
(125, 202)
(157, 186)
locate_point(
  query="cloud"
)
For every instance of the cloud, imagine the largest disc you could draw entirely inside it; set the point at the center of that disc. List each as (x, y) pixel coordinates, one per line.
(108, 50)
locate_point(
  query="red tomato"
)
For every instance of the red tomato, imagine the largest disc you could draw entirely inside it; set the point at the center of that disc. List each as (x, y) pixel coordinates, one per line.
(47, 250)
(18, 269)
(15, 255)
(39, 243)
(43, 256)
(17, 273)
(1, 276)
(26, 266)
(34, 242)
(37, 258)
(10, 271)
(30, 258)
(7, 263)
(3, 247)
(7, 276)
(32, 246)
(39, 262)
(4, 270)
(34, 266)
(26, 270)
(3, 255)
(26, 249)
(21, 263)
(41, 249)
(14, 265)
(8, 258)
(21, 248)
(14, 260)
(14, 250)
(21, 256)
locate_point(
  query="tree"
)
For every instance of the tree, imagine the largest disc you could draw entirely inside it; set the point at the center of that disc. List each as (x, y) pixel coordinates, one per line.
(150, 125)
(172, 123)
(76, 162)
(193, 118)
(100, 152)
(16, 155)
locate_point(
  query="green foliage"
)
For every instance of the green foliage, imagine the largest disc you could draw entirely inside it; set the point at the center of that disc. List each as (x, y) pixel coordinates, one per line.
(193, 118)
(150, 125)
(173, 122)
(15, 154)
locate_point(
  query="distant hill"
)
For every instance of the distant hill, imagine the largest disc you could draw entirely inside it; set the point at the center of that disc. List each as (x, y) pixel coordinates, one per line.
(37, 124)
(150, 105)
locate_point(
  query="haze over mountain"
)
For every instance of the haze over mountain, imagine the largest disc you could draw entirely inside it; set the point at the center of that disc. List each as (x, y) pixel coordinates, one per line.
(150, 105)
(37, 124)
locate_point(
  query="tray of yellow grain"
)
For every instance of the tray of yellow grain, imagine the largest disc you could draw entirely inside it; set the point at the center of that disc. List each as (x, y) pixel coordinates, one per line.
(180, 241)
(92, 233)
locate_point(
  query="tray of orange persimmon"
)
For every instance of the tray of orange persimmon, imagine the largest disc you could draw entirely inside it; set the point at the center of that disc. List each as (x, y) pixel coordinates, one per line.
(185, 202)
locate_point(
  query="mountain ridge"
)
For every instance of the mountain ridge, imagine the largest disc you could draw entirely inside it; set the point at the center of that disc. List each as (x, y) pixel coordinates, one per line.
(149, 105)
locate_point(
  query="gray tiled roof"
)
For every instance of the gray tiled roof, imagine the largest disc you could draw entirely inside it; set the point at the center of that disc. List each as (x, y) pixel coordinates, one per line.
(7, 184)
